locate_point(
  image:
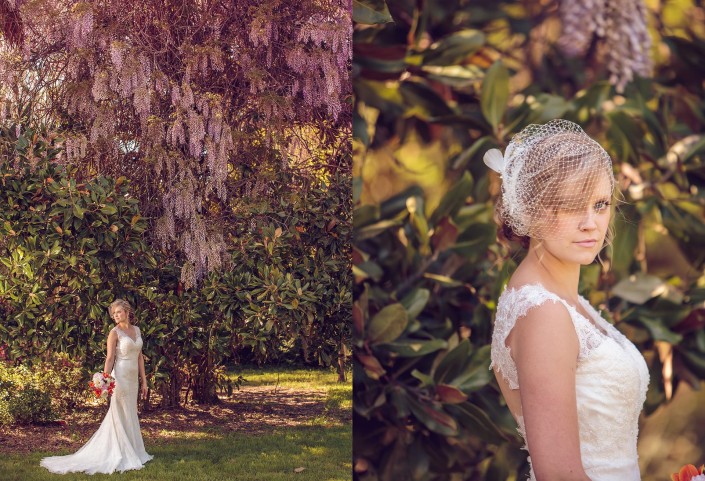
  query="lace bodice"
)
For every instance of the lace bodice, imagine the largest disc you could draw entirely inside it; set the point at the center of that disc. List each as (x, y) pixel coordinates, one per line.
(611, 382)
(128, 348)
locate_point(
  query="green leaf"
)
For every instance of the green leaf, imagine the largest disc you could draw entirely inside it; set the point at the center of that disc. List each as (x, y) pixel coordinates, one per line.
(453, 363)
(360, 129)
(477, 374)
(365, 215)
(435, 419)
(423, 101)
(368, 269)
(495, 93)
(658, 331)
(425, 379)
(626, 226)
(694, 360)
(445, 281)
(454, 199)
(373, 230)
(462, 159)
(371, 12)
(623, 134)
(77, 211)
(477, 422)
(453, 75)
(109, 209)
(475, 240)
(415, 347)
(454, 48)
(415, 301)
(388, 324)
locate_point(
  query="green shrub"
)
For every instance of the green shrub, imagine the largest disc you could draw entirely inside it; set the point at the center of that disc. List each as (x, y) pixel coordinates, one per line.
(65, 380)
(30, 405)
(23, 398)
(69, 247)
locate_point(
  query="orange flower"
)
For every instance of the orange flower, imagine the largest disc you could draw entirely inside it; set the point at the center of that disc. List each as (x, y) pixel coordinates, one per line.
(687, 472)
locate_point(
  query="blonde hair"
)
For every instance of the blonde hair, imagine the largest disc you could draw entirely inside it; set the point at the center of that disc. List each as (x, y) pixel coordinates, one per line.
(125, 305)
(555, 164)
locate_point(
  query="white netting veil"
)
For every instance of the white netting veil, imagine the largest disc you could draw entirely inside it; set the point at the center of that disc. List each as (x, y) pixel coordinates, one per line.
(554, 178)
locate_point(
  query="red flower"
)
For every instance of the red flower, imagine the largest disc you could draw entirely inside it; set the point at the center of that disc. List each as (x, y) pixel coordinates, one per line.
(687, 472)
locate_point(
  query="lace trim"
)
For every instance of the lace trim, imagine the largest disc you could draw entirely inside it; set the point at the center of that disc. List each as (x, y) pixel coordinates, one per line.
(120, 332)
(514, 304)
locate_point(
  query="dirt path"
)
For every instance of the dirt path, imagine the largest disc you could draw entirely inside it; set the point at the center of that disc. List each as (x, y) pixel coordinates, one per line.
(251, 410)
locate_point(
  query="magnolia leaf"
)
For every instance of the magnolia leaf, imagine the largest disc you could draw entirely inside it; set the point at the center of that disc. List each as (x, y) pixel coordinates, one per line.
(495, 93)
(450, 394)
(371, 12)
(454, 199)
(415, 347)
(388, 323)
(415, 301)
(658, 331)
(454, 48)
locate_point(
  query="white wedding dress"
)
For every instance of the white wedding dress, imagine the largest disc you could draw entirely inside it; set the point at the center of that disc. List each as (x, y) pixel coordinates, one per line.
(610, 382)
(117, 445)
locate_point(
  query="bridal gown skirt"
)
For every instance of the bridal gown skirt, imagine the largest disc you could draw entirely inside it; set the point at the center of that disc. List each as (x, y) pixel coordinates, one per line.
(117, 445)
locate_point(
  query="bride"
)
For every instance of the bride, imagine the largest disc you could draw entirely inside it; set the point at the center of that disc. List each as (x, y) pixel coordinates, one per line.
(117, 445)
(574, 383)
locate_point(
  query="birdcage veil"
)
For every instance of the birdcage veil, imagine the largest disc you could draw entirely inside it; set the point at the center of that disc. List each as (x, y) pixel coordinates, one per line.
(551, 174)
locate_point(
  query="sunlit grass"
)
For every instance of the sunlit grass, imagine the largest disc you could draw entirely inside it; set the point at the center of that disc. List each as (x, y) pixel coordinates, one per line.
(323, 446)
(338, 395)
(324, 453)
(295, 378)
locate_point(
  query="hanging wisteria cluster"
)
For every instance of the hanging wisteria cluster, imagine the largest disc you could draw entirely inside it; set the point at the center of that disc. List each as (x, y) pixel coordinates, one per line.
(174, 94)
(619, 26)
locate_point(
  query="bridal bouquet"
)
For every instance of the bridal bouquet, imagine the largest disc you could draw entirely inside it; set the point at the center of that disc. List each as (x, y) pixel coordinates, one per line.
(102, 384)
(689, 473)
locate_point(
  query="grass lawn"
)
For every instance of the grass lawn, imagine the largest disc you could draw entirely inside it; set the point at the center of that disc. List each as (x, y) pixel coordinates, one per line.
(322, 446)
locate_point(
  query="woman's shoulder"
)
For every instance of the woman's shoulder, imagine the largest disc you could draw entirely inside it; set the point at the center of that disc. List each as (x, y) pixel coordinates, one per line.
(525, 291)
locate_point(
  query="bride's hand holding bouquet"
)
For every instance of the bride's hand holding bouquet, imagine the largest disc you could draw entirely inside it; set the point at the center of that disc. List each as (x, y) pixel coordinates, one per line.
(102, 384)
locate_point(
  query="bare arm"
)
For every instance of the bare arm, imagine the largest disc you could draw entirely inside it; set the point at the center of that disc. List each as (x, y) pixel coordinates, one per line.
(140, 360)
(112, 346)
(545, 349)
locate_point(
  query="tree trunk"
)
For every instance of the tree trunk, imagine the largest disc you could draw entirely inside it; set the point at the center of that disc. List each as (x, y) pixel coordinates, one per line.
(171, 390)
(341, 362)
(203, 384)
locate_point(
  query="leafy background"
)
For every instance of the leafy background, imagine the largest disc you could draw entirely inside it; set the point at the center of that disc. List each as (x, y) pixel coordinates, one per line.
(436, 85)
(192, 158)
(68, 249)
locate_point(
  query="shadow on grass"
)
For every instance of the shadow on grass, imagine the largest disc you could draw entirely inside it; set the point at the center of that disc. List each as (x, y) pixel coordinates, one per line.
(323, 452)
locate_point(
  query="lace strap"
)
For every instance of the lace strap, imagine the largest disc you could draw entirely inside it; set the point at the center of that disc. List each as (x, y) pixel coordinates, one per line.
(514, 304)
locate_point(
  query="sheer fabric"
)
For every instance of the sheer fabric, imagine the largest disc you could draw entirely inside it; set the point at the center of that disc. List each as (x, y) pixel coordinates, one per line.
(117, 445)
(611, 382)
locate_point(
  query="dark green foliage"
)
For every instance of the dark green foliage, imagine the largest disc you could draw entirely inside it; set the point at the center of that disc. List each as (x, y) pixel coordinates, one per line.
(67, 250)
(23, 397)
(428, 270)
(424, 397)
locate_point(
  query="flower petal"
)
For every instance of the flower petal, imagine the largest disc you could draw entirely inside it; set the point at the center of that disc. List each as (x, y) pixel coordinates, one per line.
(687, 472)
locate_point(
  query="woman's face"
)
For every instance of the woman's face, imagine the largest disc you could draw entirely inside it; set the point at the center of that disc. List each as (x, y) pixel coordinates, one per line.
(579, 229)
(119, 314)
